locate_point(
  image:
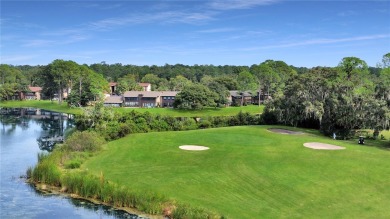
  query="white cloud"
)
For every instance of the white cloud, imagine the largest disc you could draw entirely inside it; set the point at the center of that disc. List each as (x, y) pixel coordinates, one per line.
(52, 42)
(217, 30)
(162, 17)
(16, 59)
(64, 32)
(321, 42)
(38, 43)
(347, 13)
(238, 4)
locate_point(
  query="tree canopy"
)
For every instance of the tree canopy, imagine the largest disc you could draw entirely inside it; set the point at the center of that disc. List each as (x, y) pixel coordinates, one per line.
(195, 96)
(334, 99)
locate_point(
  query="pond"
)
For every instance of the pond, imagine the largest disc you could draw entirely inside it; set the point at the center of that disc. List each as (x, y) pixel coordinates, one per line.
(24, 134)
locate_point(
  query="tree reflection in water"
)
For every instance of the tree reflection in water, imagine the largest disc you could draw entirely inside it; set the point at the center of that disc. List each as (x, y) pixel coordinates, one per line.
(53, 124)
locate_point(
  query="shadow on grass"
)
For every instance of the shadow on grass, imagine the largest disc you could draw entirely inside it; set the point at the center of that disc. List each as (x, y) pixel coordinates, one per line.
(381, 144)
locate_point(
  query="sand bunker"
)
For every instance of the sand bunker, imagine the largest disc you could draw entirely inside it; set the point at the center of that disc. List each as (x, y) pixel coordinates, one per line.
(193, 148)
(322, 146)
(285, 131)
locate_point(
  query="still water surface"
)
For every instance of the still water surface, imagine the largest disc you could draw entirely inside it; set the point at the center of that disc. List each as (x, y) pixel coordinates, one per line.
(25, 133)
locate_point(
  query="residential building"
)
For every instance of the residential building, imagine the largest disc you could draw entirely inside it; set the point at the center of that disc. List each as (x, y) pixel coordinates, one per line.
(113, 101)
(263, 97)
(247, 97)
(167, 98)
(34, 93)
(112, 87)
(238, 97)
(149, 98)
(146, 86)
(142, 99)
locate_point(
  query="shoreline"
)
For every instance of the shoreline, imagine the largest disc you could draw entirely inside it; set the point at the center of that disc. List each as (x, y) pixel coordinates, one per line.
(54, 190)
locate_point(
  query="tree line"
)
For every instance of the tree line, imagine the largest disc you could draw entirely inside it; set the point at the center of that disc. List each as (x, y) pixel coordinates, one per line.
(112, 124)
(334, 99)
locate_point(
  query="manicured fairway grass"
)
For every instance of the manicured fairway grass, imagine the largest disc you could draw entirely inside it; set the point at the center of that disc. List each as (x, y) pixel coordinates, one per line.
(249, 172)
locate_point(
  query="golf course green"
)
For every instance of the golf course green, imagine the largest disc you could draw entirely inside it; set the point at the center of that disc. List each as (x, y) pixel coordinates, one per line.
(251, 172)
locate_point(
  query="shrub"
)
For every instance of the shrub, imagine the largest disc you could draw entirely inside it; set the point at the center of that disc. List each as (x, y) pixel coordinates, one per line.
(69, 132)
(204, 124)
(72, 164)
(269, 117)
(159, 125)
(219, 121)
(84, 141)
(188, 124)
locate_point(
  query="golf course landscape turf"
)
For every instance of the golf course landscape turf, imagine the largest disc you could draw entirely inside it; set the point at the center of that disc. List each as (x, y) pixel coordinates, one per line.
(251, 172)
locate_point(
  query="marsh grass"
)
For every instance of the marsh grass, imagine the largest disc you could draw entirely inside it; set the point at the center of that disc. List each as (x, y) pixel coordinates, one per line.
(96, 187)
(185, 211)
(73, 160)
(46, 171)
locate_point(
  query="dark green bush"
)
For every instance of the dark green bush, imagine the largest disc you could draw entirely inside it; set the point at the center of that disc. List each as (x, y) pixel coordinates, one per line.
(137, 122)
(188, 124)
(84, 141)
(204, 124)
(72, 164)
(219, 121)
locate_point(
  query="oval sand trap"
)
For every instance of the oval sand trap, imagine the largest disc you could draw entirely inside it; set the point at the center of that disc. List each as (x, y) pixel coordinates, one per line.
(322, 146)
(193, 148)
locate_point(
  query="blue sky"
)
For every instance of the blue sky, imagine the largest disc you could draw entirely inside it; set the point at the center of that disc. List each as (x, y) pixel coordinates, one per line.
(218, 32)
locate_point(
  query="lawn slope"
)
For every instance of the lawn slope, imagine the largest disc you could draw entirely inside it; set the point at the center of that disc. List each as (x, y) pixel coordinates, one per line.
(249, 172)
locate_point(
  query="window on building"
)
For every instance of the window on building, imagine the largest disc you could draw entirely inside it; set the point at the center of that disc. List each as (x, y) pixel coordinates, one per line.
(130, 99)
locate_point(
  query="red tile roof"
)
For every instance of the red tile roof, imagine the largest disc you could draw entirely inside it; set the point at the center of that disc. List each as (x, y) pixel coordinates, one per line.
(144, 84)
(35, 89)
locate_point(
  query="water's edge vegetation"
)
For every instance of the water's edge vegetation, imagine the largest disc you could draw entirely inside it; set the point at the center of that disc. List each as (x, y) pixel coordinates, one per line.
(59, 172)
(61, 169)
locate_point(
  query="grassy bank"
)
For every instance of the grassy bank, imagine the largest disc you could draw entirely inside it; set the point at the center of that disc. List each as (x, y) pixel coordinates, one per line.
(250, 172)
(41, 104)
(59, 172)
(54, 106)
